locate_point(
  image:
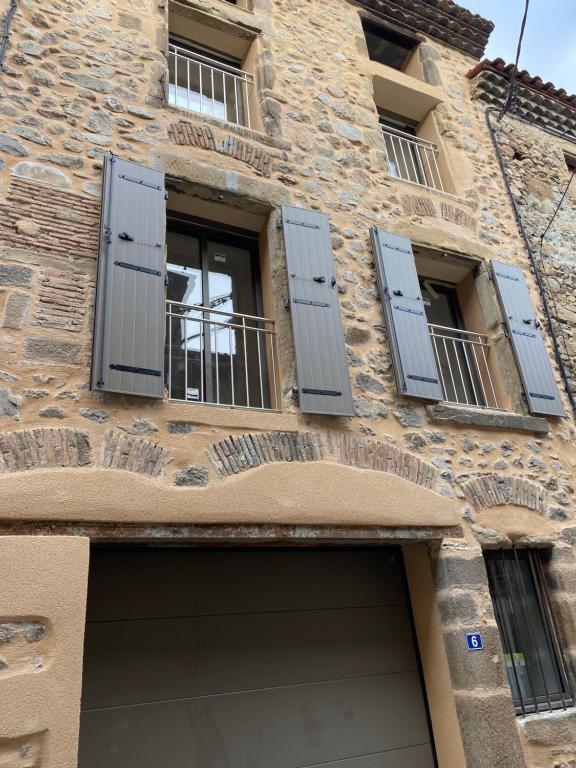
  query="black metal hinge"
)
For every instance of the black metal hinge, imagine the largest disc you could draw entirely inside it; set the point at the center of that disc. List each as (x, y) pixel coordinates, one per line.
(137, 268)
(135, 369)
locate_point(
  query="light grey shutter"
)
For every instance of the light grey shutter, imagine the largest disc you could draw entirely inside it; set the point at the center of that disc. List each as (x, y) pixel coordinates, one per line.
(527, 342)
(323, 382)
(415, 365)
(128, 350)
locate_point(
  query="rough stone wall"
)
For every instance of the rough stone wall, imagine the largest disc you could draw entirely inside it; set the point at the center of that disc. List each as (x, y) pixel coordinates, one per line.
(536, 165)
(87, 77)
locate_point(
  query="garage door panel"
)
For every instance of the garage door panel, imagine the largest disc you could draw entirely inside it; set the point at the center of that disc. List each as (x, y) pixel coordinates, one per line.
(187, 583)
(138, 661)
(412, 757)
(282, 728)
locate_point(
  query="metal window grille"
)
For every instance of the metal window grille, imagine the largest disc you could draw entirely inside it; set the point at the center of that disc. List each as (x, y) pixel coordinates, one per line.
(537, 671)
(220, 357)
(411, 158)
(463, 363)
(199, 83)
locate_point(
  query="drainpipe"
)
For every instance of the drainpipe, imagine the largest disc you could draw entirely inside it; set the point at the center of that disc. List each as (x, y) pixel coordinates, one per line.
(6, 32)
(557, 354)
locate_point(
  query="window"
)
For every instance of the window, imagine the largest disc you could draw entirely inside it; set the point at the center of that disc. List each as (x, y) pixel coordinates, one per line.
(203, 80)
(409, 157)
(387, 46)
(570, 162)
(218, 346)
(535, 666)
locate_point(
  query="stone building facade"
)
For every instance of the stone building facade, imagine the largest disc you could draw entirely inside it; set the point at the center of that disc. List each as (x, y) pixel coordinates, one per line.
(83, 468)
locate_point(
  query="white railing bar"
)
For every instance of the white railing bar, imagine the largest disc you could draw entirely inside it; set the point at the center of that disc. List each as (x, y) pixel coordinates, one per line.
(217, 367)
(201, 87)
(192, 56)
(464, 341)
(409, 137)
(458, 330)
(232, 364)
(170, 358)
(460, 370)
(246, 97)
(200, 308)
(439, 366)
(236, 99)
(186, 362)
(206, 321)
(450, 369)
(403, 156)
(260, 371)
(470, 374)
(438, 174)
(273, 345)
(202, 350)
(246, 362)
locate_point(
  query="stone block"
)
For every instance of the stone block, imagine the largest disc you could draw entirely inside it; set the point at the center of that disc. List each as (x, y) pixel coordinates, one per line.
(550, 728)
(194, 475)
(489, 734)
(457, 607)
(16, 310)
(40, 172)
(10, 403)
(15, 274)
(459, 414)
(460, 572)
(53, 350)
(472, 670)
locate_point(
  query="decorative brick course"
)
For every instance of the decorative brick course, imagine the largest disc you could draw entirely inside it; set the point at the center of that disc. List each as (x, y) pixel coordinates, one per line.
(237, 454)
(383, 457)
(69, 223)
(495, 490)
(190, 134)
(132, 455)
(40, 448)
(61, 301)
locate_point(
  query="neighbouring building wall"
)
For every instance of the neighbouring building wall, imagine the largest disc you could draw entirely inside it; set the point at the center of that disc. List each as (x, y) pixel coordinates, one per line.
(85, 78)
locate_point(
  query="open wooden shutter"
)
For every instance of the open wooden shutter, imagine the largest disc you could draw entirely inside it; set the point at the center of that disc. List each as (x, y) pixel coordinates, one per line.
(128, 350)
(527, 342)
(414, 361)
(323, 381)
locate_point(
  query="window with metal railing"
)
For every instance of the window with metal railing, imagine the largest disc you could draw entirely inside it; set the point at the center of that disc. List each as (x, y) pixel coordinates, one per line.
(411, 158)
(220, 349)
(539, 676)
(207, 82)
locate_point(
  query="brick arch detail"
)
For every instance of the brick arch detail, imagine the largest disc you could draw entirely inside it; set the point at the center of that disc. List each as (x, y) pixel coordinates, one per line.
(497, 490)
(234, 455)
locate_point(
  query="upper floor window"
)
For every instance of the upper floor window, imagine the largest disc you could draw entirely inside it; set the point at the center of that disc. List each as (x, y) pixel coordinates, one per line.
(387, 46)
(537, 672)
(410, 157)
(570, 162)
(202, 80)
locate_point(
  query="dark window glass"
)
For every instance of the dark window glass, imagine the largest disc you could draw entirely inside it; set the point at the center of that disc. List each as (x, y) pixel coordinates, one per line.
(534, 663)
(570, 162)
(386, 46)
(218, 356)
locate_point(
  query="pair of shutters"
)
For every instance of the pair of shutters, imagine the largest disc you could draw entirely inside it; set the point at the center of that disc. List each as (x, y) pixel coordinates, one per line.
(128, 353)
(415, 366)
(128, 349)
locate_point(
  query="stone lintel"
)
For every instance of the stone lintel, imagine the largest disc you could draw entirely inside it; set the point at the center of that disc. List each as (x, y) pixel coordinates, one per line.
(485, 417)
(225, 534)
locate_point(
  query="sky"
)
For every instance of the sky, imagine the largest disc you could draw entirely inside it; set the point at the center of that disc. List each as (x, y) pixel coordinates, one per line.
(549, 45)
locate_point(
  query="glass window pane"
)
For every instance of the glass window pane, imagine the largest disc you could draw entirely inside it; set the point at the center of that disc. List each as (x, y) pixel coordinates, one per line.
(530, 661)
(184, 331)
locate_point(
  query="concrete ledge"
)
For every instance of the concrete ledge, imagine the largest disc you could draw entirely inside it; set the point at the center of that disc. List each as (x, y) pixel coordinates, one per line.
(477, 417)
(550, 728)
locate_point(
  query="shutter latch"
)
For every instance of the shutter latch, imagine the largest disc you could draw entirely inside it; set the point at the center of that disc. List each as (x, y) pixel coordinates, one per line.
(319, 279)
(125, 236)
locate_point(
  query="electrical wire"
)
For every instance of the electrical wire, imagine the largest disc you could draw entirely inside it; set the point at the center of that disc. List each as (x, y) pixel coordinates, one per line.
(543, 235)
(6, 32)
(510, 101)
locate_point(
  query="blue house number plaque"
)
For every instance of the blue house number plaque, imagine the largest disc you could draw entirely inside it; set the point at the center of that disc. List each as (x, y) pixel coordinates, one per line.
(474, 642)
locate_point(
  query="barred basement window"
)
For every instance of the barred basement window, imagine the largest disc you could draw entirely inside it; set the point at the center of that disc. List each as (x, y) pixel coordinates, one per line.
(537, 671)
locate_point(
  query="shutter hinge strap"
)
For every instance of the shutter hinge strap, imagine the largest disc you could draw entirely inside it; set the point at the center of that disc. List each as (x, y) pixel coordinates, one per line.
(328, 392)
(137, 268)
(135, 369)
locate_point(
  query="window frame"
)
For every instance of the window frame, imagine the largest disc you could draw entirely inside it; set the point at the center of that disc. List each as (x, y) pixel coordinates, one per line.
(402, 40)
(533, 703)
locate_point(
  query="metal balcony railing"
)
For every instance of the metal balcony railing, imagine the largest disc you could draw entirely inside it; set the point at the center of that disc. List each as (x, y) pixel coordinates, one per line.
(411, 158)
(462, 358)
(198, 83)
(220, 357)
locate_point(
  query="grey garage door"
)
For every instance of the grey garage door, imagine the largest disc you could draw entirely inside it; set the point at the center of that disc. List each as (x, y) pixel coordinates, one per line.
(251, 659)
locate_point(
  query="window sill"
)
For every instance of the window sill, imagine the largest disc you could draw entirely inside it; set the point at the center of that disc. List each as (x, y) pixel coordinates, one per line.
(228, 417)
(485, 417)
(413, 185)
